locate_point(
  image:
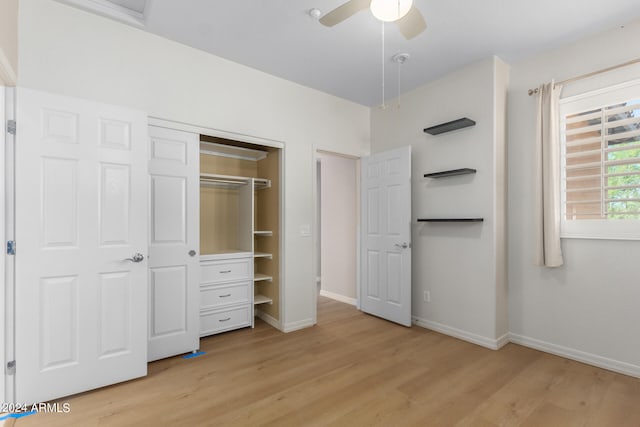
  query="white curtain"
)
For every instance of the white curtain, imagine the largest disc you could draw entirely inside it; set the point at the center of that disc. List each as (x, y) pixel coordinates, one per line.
(548, 209)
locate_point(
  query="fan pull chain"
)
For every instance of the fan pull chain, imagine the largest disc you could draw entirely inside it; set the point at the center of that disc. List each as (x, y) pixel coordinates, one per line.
(383, 106)
(400, 59)
(399, 68)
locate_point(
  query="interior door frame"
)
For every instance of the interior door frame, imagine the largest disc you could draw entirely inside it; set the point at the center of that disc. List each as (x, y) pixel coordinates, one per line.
(186, 127)
(2, 234)
(316, 221)
(7, 213)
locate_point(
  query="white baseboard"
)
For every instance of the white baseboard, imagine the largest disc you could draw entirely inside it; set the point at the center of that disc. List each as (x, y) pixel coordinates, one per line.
(338, 297)
(301, 324)
(493, 344)
(566, 352)
(269, 319)
(502, 341)
(578, 355)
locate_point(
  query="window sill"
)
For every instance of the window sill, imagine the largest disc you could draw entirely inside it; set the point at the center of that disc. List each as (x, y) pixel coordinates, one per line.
(592, 237)
(601, 229)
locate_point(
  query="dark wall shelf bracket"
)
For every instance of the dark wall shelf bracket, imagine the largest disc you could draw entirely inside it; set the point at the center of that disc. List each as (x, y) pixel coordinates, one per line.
(450, 219)
(452, 172)
(449, 126)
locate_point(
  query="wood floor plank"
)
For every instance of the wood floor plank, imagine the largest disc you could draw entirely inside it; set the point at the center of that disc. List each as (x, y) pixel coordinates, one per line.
(353, 369)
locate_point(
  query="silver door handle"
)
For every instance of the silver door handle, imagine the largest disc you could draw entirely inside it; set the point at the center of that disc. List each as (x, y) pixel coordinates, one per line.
(192, 253)
(136, 258)
(404, 245)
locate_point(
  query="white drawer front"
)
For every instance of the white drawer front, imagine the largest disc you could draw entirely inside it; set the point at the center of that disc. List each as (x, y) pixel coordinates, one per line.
(219, 296)
(224, 271)
(224, 320)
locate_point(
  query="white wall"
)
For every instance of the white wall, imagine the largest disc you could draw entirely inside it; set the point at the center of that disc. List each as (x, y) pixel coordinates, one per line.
(588, 309)
(68, 51)
(338, 219)
(457, 263)
(8, 41)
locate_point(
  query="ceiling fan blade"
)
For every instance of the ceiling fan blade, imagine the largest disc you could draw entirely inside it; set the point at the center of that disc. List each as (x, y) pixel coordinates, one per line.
(411, 24)
(343, 12)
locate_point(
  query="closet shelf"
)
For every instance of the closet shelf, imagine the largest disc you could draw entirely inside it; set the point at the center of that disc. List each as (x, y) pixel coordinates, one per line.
(450, 126)
(262, 255)
(260, 277)
(452, 172)
(263, 233)
(261, 299)
(450, 219)
(225, 254)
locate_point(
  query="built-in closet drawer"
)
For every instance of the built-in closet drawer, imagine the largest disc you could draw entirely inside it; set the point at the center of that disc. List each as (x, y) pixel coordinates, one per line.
(212, 322)
(212, 296)
(225, 270)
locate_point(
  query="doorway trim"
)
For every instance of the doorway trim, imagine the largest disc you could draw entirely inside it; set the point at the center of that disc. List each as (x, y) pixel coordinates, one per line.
(7, 213)
(5, 259)
(316, 221)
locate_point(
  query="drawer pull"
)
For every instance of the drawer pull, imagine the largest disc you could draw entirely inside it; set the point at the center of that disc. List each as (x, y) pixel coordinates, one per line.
(225, 320)
(225, 271)
(225, 295)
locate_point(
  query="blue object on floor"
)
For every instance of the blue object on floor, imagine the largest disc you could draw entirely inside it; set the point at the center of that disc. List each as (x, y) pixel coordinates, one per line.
(191, 355)
(17, 415)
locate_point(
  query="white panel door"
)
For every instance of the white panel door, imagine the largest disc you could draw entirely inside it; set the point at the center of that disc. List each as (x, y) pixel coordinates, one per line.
(385, 285)
(174, 240)
(80, 305)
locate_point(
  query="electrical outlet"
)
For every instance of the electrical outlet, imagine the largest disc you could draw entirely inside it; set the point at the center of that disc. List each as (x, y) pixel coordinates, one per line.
(427, 296)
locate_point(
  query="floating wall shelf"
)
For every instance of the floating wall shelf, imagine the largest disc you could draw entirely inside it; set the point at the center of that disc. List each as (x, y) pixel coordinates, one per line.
(452, 172)
(449, 126)
(450, 219)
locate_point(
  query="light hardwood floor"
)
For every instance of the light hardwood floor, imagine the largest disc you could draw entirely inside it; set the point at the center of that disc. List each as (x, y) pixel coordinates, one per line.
(356, 370)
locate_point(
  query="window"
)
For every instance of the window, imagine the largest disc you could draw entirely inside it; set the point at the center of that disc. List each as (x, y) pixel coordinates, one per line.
(600, 137)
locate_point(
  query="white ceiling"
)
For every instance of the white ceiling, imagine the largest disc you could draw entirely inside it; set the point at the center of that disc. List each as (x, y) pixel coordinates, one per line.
(280, 38)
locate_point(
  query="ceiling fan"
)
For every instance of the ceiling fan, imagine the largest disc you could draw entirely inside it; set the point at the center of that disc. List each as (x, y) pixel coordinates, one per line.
(406, 16)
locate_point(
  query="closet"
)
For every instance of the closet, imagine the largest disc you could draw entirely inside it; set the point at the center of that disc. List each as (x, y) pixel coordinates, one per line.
(214, 237)
(239, 234)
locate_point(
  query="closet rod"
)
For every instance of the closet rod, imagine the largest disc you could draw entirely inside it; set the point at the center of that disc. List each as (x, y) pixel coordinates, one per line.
(221, 181)
(213, 177)
(591, 74)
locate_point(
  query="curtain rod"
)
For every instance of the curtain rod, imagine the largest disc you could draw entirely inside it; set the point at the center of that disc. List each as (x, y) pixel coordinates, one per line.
(593, 73)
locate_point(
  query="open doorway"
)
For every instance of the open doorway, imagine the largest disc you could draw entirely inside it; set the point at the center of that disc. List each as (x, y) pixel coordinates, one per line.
(338, 213)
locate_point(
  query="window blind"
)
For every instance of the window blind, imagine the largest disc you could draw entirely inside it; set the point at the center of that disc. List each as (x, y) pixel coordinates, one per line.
(602, 163)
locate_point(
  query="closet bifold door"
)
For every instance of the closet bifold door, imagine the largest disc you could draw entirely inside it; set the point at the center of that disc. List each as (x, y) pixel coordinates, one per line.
(173, 243)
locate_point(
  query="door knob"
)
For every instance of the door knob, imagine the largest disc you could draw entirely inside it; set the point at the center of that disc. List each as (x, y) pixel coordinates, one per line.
(404, 245)
(192, 253)
(136, 258)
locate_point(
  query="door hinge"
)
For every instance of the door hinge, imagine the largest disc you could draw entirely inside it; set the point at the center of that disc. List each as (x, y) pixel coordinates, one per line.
(11, 247)
(11, 367)
(11, 127)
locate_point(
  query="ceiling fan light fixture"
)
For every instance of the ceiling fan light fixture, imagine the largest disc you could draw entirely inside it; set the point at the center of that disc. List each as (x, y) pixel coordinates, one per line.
(390, 10)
